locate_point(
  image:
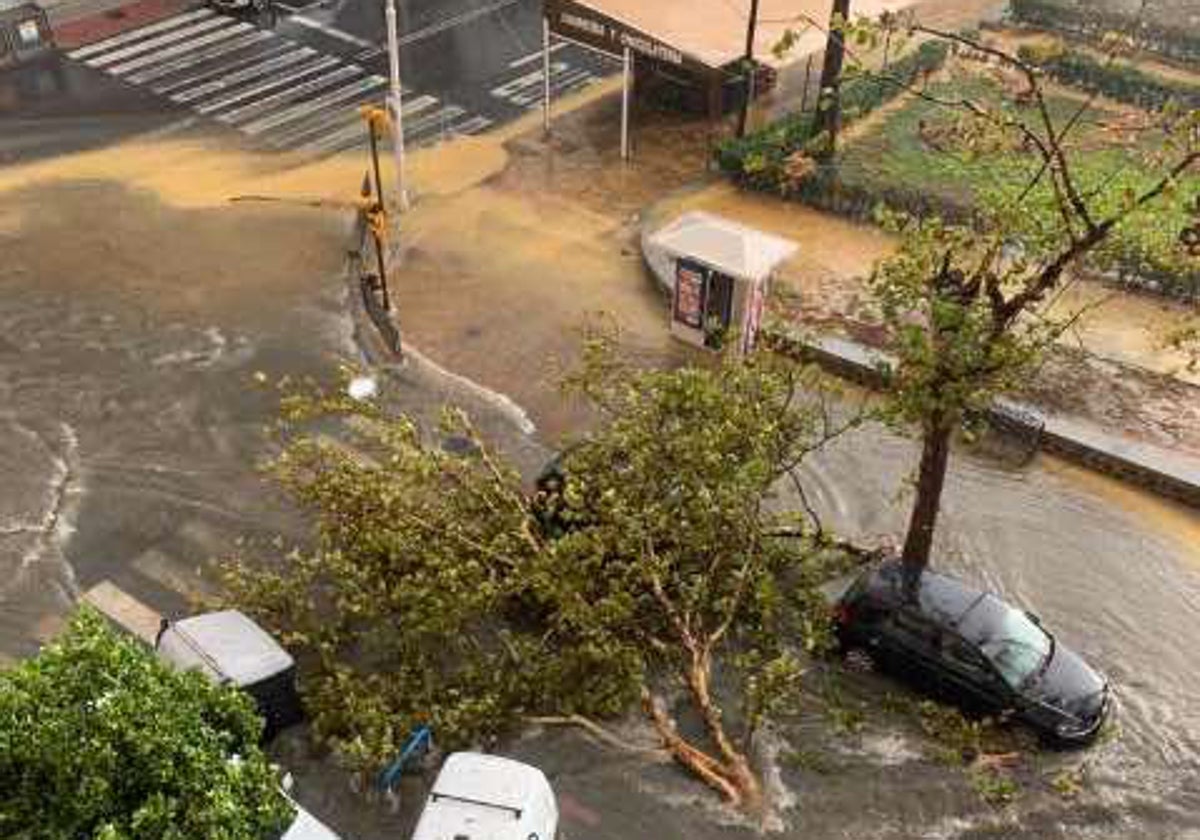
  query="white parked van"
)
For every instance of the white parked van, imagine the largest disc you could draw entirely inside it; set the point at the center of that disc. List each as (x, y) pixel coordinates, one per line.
(307, 827)
(227, 647)
(486, 797)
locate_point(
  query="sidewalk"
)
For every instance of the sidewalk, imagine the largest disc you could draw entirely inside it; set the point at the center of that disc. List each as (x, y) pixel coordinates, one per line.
(79, 22)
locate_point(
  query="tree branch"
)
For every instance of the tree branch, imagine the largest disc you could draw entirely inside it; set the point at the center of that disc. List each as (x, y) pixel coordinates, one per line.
(595, 730)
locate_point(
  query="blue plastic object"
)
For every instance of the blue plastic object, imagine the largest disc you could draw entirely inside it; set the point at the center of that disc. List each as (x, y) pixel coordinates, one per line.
(419, 742)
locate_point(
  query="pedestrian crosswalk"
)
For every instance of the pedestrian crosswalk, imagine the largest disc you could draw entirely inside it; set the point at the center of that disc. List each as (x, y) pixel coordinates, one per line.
(526, 89)
(272, 89)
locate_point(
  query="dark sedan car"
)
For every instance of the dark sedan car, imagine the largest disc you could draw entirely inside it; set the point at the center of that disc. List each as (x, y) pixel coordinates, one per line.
(974, 647)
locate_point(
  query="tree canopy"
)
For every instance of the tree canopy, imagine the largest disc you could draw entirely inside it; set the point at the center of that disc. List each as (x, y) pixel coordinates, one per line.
(100, 740)
(442, 591)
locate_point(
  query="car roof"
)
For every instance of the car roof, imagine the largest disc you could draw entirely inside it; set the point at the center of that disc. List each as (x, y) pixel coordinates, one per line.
(942, 598)
(224, 645)
(489, 779)
(487, 797)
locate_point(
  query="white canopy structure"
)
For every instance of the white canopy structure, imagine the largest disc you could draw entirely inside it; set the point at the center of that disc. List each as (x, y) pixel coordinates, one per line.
(703, 39)
(719, 243)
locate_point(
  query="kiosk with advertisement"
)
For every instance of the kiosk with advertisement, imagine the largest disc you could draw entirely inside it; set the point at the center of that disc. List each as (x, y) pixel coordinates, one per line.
(719, 273)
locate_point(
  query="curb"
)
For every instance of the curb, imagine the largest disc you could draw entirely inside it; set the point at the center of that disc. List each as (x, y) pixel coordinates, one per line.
(377, 335)
(1167, 473)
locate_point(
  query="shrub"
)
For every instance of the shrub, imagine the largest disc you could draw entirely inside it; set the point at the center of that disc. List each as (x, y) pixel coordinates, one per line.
(1091, 22)
(101, 741)
(760, 159)
(1120, 82)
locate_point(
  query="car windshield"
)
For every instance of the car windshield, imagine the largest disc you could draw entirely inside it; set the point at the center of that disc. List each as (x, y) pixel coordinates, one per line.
(1009, 638)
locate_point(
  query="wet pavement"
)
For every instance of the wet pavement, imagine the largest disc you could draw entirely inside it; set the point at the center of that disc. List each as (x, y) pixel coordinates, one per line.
(136, 306)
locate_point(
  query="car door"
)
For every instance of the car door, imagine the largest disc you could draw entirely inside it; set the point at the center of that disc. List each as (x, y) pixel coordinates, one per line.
(910, 645)
(970, 677)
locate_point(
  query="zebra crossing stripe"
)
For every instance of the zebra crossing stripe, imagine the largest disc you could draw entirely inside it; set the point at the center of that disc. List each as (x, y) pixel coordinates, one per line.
(179, 49)
(168, 68)
(141, 32)
(342, 119)
(472, 126)
(443, 117)
(322, 123)
(247, 74)
(323, 63)
(513, 86)
(240, 115)
(561, 85)
(354, 89)
(107, 58)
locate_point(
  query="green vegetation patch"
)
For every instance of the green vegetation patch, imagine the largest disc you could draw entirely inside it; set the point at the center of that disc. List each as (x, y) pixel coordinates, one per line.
(101, 741)
(926, 155)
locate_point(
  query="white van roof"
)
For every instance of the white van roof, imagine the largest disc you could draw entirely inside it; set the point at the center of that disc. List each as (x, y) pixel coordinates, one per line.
(224, 646)
(487, 797)
(307, 827)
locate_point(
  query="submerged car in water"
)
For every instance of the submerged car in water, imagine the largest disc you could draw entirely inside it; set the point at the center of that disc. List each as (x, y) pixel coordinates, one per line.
(973, 647)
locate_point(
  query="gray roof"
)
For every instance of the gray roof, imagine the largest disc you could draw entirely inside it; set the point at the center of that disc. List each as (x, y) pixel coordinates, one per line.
(224, 646)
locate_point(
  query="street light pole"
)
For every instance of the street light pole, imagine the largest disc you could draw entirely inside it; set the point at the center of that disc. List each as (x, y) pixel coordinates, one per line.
(396, 102)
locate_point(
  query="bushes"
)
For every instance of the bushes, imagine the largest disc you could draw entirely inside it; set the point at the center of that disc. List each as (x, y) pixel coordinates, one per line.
(1091, 22)
(101, 741)
(1120, 82)
(760, 159)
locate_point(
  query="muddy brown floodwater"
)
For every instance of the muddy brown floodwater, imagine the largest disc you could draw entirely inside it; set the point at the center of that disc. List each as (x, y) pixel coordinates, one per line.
(132, 321)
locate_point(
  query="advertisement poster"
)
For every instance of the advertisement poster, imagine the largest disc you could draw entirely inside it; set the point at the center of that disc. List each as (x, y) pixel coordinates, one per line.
(689, 294)
(754, 313)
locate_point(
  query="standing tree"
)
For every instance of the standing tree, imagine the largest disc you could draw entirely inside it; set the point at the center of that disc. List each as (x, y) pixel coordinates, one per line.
(829, 101)
(101, 741)
(966, 303)
(442, 592)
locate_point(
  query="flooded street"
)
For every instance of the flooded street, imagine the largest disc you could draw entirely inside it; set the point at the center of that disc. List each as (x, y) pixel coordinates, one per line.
(137, 305)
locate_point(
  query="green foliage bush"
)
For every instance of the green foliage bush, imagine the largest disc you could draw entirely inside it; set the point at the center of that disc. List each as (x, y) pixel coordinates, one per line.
(101, 741)
(759, 160)
(1120, 82)
(1091, 22)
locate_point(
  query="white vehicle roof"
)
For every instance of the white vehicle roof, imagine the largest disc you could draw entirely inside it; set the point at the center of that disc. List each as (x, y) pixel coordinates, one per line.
(224, 646)
(307, 827)
(486, 797)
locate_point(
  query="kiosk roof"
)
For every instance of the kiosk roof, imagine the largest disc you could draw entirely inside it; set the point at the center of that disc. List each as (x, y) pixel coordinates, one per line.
(713, 32)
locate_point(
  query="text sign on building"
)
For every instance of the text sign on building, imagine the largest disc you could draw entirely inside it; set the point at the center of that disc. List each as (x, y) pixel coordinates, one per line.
(613, 37)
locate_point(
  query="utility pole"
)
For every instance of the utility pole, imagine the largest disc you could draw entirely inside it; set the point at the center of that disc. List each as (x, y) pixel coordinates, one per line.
(751, 26)
(376, 213)
(396, 102)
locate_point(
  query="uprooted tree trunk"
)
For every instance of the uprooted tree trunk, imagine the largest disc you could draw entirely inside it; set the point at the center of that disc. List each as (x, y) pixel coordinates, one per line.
(729, 771)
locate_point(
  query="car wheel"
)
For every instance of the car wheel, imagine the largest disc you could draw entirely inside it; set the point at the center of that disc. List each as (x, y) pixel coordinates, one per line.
(860, 660)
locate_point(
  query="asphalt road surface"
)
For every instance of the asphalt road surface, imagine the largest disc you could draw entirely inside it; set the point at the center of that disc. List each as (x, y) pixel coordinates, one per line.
(294, 78)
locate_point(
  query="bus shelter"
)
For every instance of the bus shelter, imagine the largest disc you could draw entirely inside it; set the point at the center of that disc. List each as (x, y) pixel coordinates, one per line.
(702, 41)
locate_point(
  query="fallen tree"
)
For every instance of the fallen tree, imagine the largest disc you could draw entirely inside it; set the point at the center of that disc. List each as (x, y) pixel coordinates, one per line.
(442, 592)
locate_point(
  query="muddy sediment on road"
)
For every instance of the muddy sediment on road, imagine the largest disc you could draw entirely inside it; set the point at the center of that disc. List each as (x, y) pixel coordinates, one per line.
(554, 229)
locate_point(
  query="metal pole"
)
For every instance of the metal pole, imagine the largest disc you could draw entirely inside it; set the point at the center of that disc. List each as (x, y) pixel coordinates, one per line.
(396, 102)
(626, 80)
(378, 209)
(807, 82)
(546, 75)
